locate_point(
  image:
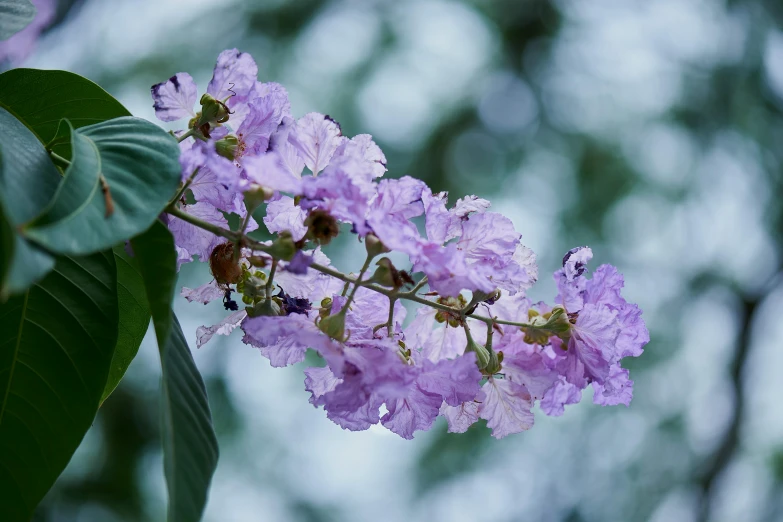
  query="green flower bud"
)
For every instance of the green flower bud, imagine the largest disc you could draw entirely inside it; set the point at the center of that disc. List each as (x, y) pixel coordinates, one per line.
(227, 147)
(267, 307)
(374, 246)
(283, 247)
(386, 274)
(551, 323)
(213, 112)
(257, 195)
(482, 354)
(333, 326)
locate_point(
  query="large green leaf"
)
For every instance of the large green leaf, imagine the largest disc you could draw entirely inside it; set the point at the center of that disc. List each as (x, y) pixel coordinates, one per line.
(40, 99)
(7, 240)
(28, 181)
(190, 450)
(140, 163)
(157, 261)
(134, 318)
(56, 344)
(15, 15)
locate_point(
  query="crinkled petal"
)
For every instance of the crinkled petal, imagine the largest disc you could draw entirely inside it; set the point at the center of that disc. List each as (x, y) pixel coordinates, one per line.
(316, 137)
(455, 380)
(319, 381)
(575, 262)
(270, 170)
(558, 396)
(204, 294)
(224, 327)
(363, 148)
(174, 98)
(264, 116)
(469, 205)
(460, 418)
(282, 214)
(616, 389)
(505, 406)
(234, 75)
(417, 411)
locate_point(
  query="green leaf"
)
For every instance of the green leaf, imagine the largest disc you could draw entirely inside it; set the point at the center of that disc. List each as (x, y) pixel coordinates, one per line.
(15, 15)
(140, 163)
(134, 318)
(28, 181)
(56, 344)
(157, 261)
(40, 99)
(7, 241)
(190, 449)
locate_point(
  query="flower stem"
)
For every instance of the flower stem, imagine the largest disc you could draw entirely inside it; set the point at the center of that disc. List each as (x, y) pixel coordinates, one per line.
(188, 134)
(268, 287)
(184, 187)
(357, 282)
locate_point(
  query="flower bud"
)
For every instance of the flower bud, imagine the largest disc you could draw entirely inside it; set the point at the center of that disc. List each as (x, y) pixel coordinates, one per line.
(267, 307)
(374, 246)
(283, 247)
(386, 274)
(333, 326)
(482, 354)
(227, 147)
(256, 195)
(543, 326)
(213, 111)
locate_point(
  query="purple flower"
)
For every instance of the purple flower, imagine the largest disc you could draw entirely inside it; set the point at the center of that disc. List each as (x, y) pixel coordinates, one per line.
(234, 75)
(343, 189)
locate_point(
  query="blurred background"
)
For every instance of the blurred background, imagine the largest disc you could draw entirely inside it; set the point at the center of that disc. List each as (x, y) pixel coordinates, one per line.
(650, 130)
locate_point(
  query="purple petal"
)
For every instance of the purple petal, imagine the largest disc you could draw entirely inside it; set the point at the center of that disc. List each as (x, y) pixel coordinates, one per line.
(558, 396)
(282, 214)
(455, 380)
(316, 137)
(195, 240)
(203, 294)
(417, 411)
(616, 389)
(234, 75)
(506, 407)
(363, 148)
(460, 418)
(174, 98)
(224, 327)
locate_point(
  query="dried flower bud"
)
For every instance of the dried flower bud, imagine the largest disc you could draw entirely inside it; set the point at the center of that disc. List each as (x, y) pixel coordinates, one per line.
(223, 265)
(321, 227)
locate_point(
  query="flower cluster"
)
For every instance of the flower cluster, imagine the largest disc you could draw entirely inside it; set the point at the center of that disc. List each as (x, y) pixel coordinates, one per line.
(476, 348)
